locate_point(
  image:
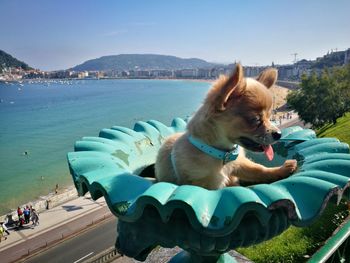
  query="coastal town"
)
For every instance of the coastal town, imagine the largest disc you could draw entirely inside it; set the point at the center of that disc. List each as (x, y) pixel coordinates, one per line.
(288, 72)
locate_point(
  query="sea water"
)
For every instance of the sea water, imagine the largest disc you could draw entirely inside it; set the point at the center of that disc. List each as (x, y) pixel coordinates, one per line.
(40, 123)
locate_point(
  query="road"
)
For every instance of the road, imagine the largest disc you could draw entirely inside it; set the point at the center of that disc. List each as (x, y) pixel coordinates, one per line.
(82, 246)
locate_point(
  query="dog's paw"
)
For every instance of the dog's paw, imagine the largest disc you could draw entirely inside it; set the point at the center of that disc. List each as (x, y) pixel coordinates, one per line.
(289, 167)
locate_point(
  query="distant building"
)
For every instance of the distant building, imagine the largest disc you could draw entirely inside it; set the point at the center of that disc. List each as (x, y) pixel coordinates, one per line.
(161, 73)
(303, 67)
(112, 73)
(35, 74)
(142, 74)
(85, 74)
(203, 73)
(124, 74)
(186, 73)
(62, 74)
(216, 72)
(303, 64)
(285, 72)
(82, 75)
(347, 56)
(131, 74)
(252, 71)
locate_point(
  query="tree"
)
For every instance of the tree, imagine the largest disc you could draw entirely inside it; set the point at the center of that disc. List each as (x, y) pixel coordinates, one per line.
(342, 79)
(322, 99)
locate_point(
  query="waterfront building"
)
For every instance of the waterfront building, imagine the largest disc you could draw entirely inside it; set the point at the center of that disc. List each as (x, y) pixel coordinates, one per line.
(347, 56)
(251, 71)
(142, 74)
(186, 73)
(159, 73)
(203, 73)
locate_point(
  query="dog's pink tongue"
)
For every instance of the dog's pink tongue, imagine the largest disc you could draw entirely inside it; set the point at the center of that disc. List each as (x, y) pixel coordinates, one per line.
(268, 152)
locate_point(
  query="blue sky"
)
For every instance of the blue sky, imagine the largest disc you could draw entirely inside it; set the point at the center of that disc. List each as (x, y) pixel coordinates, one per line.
(60, 34)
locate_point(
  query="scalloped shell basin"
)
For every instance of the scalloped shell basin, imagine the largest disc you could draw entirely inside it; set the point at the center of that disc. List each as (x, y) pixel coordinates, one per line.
(194, 218)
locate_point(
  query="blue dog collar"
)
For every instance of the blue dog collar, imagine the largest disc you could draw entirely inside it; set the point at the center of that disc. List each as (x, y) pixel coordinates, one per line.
(225, 156)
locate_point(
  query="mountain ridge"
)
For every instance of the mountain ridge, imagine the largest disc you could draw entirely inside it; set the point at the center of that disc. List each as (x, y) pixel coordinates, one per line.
(7, 61)
(141, 62)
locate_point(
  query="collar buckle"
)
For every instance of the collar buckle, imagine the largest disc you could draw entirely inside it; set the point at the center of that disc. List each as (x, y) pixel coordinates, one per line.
(231, 155)
(227, 157)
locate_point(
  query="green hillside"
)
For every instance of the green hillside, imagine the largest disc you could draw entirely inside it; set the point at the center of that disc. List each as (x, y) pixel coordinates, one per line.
(6, 60)
(340, 130)
(141, 62)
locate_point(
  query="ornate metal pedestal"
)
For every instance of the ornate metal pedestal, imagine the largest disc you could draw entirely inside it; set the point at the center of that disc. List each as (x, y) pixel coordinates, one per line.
(205, 224)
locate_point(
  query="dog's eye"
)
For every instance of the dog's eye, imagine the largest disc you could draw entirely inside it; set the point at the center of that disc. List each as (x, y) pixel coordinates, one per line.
(257, 121)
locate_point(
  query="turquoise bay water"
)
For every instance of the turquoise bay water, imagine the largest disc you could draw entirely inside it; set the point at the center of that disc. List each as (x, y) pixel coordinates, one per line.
(45, 120)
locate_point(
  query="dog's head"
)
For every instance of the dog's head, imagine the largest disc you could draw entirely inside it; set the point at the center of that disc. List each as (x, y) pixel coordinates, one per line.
(240, 108)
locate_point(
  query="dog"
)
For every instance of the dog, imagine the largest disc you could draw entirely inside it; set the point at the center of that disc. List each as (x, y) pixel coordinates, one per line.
(234, 116)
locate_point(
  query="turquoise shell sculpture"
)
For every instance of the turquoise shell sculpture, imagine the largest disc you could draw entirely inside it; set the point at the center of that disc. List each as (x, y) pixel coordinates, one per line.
(205, 224)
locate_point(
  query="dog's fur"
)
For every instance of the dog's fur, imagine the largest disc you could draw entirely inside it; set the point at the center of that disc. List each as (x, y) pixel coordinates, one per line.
(236, 111)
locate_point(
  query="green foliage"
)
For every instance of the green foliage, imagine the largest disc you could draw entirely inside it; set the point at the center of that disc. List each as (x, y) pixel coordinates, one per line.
(298, 244)
(322, 99)
(7, 60)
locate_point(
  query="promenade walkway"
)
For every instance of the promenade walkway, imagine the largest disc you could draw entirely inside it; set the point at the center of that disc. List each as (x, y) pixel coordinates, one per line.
(56, 224)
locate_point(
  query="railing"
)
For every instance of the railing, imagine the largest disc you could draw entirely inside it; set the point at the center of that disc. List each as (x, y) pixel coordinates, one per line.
(105, 256)
(336, 248)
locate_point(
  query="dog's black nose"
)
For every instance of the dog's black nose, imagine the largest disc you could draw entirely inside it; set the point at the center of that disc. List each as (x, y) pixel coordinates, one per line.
(276, 135)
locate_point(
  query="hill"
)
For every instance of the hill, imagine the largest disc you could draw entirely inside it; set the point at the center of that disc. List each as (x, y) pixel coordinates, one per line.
(329, 60)
(6, 60)
(339, 130)
(141, 62)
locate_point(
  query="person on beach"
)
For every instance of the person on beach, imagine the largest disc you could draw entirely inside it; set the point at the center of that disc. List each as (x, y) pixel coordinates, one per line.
(19, 212)
(20, 217)
(35, 218)
(26, 213)
(3, 224)
(2, 233)
(21, 221)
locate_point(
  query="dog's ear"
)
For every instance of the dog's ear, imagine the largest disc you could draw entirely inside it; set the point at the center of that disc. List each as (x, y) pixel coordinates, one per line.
(230, 87)
(268, 77)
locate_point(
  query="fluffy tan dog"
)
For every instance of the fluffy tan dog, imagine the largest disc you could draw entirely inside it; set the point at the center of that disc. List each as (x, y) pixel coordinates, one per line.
(236, 111)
